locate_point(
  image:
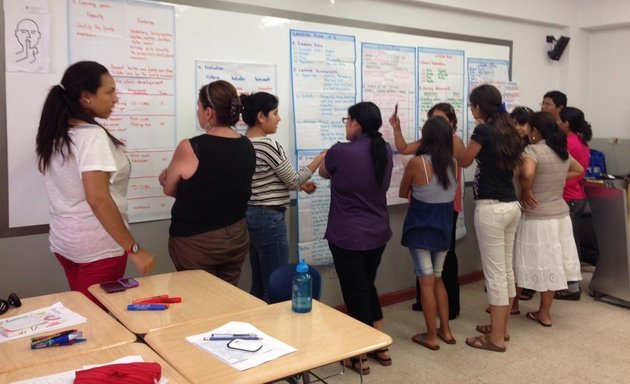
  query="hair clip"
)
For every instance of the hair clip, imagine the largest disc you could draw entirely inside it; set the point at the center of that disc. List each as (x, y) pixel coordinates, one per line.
(210, 103)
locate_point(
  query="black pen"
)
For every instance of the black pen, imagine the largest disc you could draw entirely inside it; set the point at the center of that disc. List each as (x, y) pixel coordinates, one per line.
(231, 336)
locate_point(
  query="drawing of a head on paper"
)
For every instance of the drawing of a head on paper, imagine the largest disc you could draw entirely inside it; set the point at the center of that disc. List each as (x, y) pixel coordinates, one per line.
(28, 35)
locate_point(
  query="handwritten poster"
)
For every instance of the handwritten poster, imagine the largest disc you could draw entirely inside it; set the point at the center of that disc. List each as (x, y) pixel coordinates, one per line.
(313, 217)
(323, 86)
(246, 78)
(389, 78)
(136, 42)
(485, 71)
(400, 162)
(441, 81)
(511, 95)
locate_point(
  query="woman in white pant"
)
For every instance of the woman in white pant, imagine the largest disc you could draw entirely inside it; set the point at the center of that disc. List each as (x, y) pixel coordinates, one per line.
(497, 149)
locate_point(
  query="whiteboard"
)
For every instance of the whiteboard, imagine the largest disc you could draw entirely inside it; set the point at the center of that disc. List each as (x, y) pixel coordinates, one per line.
(260, 36)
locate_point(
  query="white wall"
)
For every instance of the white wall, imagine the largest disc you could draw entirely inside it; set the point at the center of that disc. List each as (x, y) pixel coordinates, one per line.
(607, 103)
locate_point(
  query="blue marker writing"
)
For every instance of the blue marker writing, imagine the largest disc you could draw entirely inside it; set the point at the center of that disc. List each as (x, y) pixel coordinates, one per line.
(147, 307)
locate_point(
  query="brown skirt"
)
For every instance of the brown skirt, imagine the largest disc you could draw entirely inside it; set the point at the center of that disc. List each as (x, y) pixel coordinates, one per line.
(220, 252)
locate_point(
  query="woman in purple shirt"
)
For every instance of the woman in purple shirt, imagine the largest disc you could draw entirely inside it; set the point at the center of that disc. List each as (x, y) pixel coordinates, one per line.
(358, 221)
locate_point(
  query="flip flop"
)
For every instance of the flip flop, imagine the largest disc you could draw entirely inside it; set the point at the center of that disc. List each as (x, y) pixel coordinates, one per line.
(484, 342)
(534, 316)
(356, 365)
(450, 341)
(526, 294)
(517, 312)
(487, 328)
(375, 355)
(419, 339)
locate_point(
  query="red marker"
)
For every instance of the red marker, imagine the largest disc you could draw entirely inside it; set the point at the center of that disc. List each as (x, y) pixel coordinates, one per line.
(136, 301)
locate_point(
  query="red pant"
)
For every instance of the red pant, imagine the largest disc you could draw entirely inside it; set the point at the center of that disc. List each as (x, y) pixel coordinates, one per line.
(81, 275)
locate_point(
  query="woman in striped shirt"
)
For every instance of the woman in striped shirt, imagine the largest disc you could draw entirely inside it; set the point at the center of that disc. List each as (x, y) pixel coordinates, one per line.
(273, 178)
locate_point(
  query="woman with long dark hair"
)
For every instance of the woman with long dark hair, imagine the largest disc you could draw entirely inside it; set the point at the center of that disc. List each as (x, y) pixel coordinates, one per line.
(429, 181)
(86, 173)
(450, 273)
(358, 222)
(545, 253)
(273, 179)
(497, 148)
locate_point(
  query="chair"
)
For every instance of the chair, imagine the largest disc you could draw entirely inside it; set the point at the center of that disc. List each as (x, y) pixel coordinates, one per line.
(280, 289)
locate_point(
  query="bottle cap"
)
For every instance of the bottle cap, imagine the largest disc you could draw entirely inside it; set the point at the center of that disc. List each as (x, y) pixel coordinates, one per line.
(301, 267)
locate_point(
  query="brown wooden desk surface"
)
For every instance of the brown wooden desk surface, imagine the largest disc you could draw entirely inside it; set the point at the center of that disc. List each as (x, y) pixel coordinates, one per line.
(203, 296)
(101, 331)
(96, 357)
(321, 337)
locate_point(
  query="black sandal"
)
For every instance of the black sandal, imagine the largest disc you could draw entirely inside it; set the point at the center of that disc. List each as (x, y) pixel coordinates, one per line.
(526, 294)
(357, 365)
(375, 355)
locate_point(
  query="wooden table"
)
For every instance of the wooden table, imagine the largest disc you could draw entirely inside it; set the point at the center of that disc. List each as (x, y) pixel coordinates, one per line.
(321, 337)
(96, 357)
(203, 296)
(101, 331)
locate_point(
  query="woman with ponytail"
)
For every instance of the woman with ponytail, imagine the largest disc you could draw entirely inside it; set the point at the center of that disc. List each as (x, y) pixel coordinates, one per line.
(273, 179)
(86, 173)
(497, 148)
(358, 221)
(579, 133)
(545, 254)
(210, 177)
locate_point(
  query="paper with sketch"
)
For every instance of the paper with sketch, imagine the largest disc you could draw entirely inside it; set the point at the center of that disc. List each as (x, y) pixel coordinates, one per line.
(38, 321)
(241, 360)
(69, 376)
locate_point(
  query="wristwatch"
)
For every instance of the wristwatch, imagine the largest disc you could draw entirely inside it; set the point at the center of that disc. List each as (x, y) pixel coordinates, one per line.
(133, 250)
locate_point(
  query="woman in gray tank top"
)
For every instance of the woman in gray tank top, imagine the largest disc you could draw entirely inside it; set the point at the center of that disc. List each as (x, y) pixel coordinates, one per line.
(429, 181)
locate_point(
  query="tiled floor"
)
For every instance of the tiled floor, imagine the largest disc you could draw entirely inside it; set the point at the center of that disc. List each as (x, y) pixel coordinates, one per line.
(588, 343)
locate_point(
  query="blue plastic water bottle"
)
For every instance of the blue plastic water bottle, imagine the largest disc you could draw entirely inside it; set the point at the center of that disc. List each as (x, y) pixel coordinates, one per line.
(302, 296)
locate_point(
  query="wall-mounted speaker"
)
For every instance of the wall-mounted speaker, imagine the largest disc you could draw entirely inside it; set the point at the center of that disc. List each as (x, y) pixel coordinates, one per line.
(558, 47)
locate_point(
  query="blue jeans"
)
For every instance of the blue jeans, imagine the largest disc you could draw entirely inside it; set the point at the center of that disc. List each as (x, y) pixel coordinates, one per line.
(268, 245)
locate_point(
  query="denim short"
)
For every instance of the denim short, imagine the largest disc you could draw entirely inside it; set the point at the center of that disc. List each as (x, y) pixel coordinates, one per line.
(427, 263)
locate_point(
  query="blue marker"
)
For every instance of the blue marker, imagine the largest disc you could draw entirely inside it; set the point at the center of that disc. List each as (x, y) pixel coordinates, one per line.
(67, 339)
(147, 307)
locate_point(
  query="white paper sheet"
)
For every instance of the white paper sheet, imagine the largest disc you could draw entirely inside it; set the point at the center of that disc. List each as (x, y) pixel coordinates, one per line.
(241, 360)
(27, 34)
